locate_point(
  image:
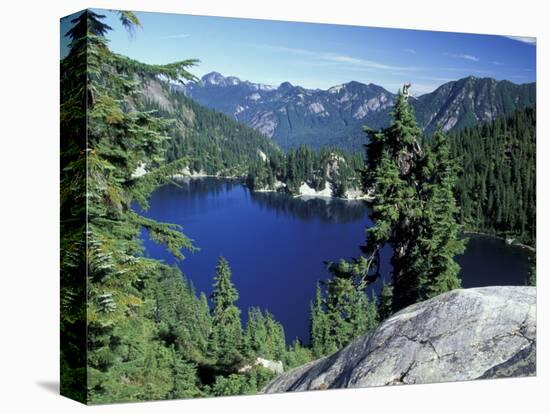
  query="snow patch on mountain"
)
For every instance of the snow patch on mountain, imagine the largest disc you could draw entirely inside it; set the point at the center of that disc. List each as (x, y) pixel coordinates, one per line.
(336, 89)
(239, 109)
(316, 108)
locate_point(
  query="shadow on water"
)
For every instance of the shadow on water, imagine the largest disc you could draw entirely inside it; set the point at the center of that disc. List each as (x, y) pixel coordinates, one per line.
(202, 187)
(324, 209)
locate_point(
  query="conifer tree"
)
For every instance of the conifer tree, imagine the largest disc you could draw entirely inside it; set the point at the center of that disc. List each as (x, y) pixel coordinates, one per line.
(226, 323)
(255, 336)
(319, 326)
(276, 344)
(106, 135)
(413, 210)
(438, 242)
(184, 378)
(297, 354)
(392, 173)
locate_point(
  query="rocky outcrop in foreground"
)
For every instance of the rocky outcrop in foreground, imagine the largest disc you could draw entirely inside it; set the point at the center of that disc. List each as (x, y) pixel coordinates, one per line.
(460, 335)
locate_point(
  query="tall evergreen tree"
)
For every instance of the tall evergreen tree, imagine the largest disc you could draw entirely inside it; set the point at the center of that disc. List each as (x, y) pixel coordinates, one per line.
(319, 326)
(255, 336)
(438, 242)
(106, 136)
(226, 323)
(413, 210)
(276, 344)
(341, 315)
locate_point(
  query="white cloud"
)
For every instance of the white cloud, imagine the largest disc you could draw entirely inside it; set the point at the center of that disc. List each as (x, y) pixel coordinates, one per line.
(463, 56)
(524, 39)
(336, 58)
(177, 36)
(411, 51)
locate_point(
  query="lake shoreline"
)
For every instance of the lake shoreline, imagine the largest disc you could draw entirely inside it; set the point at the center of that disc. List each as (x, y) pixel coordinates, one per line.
(264, 190)
(503, 239)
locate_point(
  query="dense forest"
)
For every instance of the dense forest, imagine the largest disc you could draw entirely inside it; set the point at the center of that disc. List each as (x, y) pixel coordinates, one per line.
(215, 144)
(327, 166)
(133, 328)
(496, 189)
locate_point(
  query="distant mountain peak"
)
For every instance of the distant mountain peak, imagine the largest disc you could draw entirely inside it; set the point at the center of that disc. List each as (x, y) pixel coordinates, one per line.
(336, 88)
(217, 79)
(213, 78)
(293, 115)
(286, 85)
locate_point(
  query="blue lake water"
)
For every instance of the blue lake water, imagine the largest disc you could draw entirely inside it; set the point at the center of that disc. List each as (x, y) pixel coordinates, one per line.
(276, 245)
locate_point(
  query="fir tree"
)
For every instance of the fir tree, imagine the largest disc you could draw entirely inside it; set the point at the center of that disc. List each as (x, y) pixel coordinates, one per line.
(184, 378)
(226, 323)
(319, 326)
(255, 336)
(296, 355)
(438, 242)
(276, 344)
(413, 210)
(106, 135)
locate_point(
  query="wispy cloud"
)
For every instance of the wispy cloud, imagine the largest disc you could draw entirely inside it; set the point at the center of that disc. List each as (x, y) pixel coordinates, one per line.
(524, 39)
(463, 56)
(496, 62)
(411, 51)
(467, 70)
(177, 36)
(335, 58)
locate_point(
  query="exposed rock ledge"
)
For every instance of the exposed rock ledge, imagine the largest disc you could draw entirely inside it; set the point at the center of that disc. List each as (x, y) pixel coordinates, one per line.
(460, 335)
(273, 366)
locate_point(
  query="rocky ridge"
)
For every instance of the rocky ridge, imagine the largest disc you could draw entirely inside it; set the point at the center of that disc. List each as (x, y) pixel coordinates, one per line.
(461, 335)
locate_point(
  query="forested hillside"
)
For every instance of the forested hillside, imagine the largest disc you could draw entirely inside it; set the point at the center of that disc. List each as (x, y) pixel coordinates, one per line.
(214, 144)
(131, 327)
(496, 190)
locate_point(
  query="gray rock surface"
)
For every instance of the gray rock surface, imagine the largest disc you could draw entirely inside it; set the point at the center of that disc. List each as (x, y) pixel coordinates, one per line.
(461, 335)
(273, 366)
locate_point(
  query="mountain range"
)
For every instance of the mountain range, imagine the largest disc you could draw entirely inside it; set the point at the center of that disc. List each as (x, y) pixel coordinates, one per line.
(292, 115)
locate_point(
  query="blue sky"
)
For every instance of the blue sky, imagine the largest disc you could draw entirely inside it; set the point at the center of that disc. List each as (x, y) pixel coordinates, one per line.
(320, 55)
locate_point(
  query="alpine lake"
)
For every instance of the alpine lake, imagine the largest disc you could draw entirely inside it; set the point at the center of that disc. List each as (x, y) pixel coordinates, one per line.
(278, 245)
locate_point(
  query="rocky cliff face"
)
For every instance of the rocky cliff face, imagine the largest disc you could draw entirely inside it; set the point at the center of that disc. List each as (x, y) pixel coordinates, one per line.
(460, 335)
